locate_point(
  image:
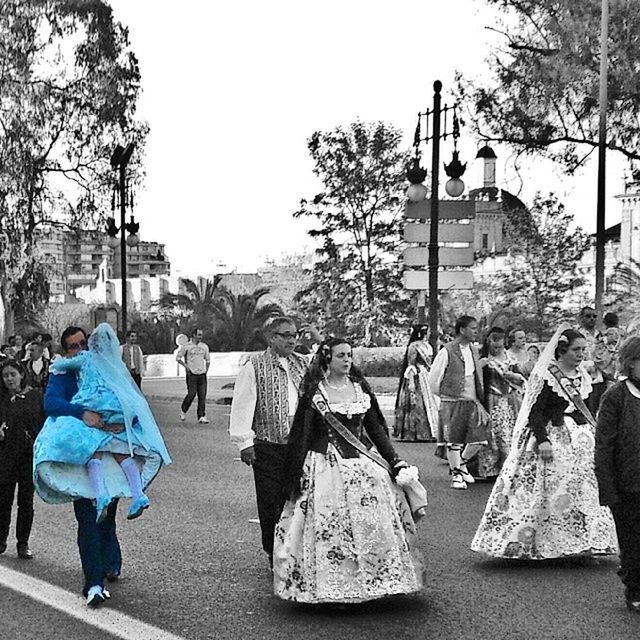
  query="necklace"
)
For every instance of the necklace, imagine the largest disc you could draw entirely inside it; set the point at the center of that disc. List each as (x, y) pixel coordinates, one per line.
(338, 387)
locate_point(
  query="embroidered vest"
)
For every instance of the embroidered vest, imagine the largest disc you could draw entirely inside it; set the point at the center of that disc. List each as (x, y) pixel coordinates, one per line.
(452, 384)
(271, 416)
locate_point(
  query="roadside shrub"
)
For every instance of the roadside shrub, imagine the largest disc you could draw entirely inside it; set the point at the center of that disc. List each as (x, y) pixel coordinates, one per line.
(379, 362)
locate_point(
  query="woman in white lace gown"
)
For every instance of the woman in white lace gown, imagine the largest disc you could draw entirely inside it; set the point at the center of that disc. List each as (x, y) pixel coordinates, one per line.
(545, 501)
(346, 533)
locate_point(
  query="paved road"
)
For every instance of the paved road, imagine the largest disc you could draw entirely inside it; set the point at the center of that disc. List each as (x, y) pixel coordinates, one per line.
(193, 566)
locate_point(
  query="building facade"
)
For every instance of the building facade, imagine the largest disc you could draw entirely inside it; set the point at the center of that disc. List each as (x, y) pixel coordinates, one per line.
(75, 256)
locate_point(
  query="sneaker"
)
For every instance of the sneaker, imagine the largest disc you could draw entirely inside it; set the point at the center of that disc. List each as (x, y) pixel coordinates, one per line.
(24, 552)
(183, 416)
(457, 481)
(203, 420)
(95, 596)
(466, 476)
(633, 605)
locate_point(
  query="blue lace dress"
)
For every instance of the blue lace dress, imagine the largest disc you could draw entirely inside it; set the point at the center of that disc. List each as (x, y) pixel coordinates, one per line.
(66, 444)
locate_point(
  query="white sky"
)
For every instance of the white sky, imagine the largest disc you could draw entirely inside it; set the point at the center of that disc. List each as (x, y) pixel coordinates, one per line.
(232, 91)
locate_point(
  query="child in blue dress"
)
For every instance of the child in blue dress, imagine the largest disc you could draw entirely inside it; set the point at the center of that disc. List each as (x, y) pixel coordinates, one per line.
(73, 460)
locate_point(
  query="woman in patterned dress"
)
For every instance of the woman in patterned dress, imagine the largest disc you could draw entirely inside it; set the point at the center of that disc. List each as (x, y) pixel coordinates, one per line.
(503, 383)
(346, 533)
(545, 501)
(416, 412)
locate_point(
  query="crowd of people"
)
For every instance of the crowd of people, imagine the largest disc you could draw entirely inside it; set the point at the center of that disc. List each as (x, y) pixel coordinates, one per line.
(554, 426)
(543, 422)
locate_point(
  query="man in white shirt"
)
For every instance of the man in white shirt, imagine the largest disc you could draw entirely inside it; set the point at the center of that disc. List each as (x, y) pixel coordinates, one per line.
(265, 398)
(456, 378)
(194, 357)
(36, 366)
(133, 357)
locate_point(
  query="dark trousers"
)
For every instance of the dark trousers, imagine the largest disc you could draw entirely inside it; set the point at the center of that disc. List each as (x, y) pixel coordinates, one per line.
(268, 470)
(98, 543)
(626, 514)
(196, 384)
(137, 378)
(25, 509)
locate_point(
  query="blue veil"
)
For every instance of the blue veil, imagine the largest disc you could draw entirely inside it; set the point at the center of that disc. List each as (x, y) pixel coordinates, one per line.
(105, 349)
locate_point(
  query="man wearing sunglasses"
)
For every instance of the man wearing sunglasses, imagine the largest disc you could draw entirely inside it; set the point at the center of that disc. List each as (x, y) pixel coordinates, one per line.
(98, 544)
(265, 398)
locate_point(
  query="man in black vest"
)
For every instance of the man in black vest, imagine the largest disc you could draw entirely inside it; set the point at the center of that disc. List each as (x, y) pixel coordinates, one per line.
(456, 378)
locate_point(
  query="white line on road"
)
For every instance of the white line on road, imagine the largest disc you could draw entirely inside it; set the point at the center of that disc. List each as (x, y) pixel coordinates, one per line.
(118, 624)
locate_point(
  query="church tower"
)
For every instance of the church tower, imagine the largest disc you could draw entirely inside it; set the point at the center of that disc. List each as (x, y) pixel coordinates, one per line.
(630, 221)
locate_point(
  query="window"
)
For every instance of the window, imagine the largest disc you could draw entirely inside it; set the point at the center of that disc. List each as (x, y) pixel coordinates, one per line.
(485, 240)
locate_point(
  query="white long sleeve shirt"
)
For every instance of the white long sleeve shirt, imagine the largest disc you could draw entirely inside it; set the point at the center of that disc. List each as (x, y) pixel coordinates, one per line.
(440, 363)
(243, 405)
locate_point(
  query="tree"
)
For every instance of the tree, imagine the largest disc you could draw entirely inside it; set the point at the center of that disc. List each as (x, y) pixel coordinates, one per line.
(69, 85)
(197, 302)
(355, 282)
(623, 289)
(542, 264)
(544, 94)
(241, 319)
(55, 317)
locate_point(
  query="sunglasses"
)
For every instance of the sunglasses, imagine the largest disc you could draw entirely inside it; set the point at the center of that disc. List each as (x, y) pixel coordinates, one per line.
(76, 346)
(286, 336)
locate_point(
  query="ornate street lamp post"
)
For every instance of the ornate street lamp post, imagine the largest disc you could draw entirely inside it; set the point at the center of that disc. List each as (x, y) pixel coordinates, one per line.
(417, 191)
(119, 160)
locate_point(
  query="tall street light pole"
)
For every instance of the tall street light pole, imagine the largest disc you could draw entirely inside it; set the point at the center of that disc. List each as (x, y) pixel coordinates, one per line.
(417, 192)
(119, 160)
(602, 157)
(433, 247)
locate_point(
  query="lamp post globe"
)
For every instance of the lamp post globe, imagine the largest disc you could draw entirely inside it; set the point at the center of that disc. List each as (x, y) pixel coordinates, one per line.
(416, 192)
(133, 239)
(454, 187)
(113, 242)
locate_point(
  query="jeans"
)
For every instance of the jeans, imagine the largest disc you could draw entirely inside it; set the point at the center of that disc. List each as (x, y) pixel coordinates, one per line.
(268, 471)
(25, 509)
(98, 543)
(196, 384)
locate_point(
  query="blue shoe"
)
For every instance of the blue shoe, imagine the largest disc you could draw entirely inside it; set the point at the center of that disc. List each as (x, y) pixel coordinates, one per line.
(137, 507)
(102, 504)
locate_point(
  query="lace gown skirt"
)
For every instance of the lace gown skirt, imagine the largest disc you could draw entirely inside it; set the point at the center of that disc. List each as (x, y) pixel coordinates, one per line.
(349, 536)
(502, 419)
(416, 415)
(548, 510)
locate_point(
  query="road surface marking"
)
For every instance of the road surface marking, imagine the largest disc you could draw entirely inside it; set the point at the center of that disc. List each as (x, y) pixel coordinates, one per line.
(120, 625)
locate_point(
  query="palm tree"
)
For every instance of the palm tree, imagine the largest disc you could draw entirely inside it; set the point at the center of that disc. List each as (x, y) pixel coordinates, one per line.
(197, 302)
(241, 318)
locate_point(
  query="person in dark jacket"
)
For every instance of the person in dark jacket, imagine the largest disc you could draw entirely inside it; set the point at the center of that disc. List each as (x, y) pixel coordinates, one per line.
(21, 418)
(346, 533)
(617, 465)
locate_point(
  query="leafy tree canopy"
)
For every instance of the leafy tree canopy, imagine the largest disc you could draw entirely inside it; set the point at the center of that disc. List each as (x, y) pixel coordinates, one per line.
(546, 251)
(543, 98)
(355, 288)
(69, 85)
